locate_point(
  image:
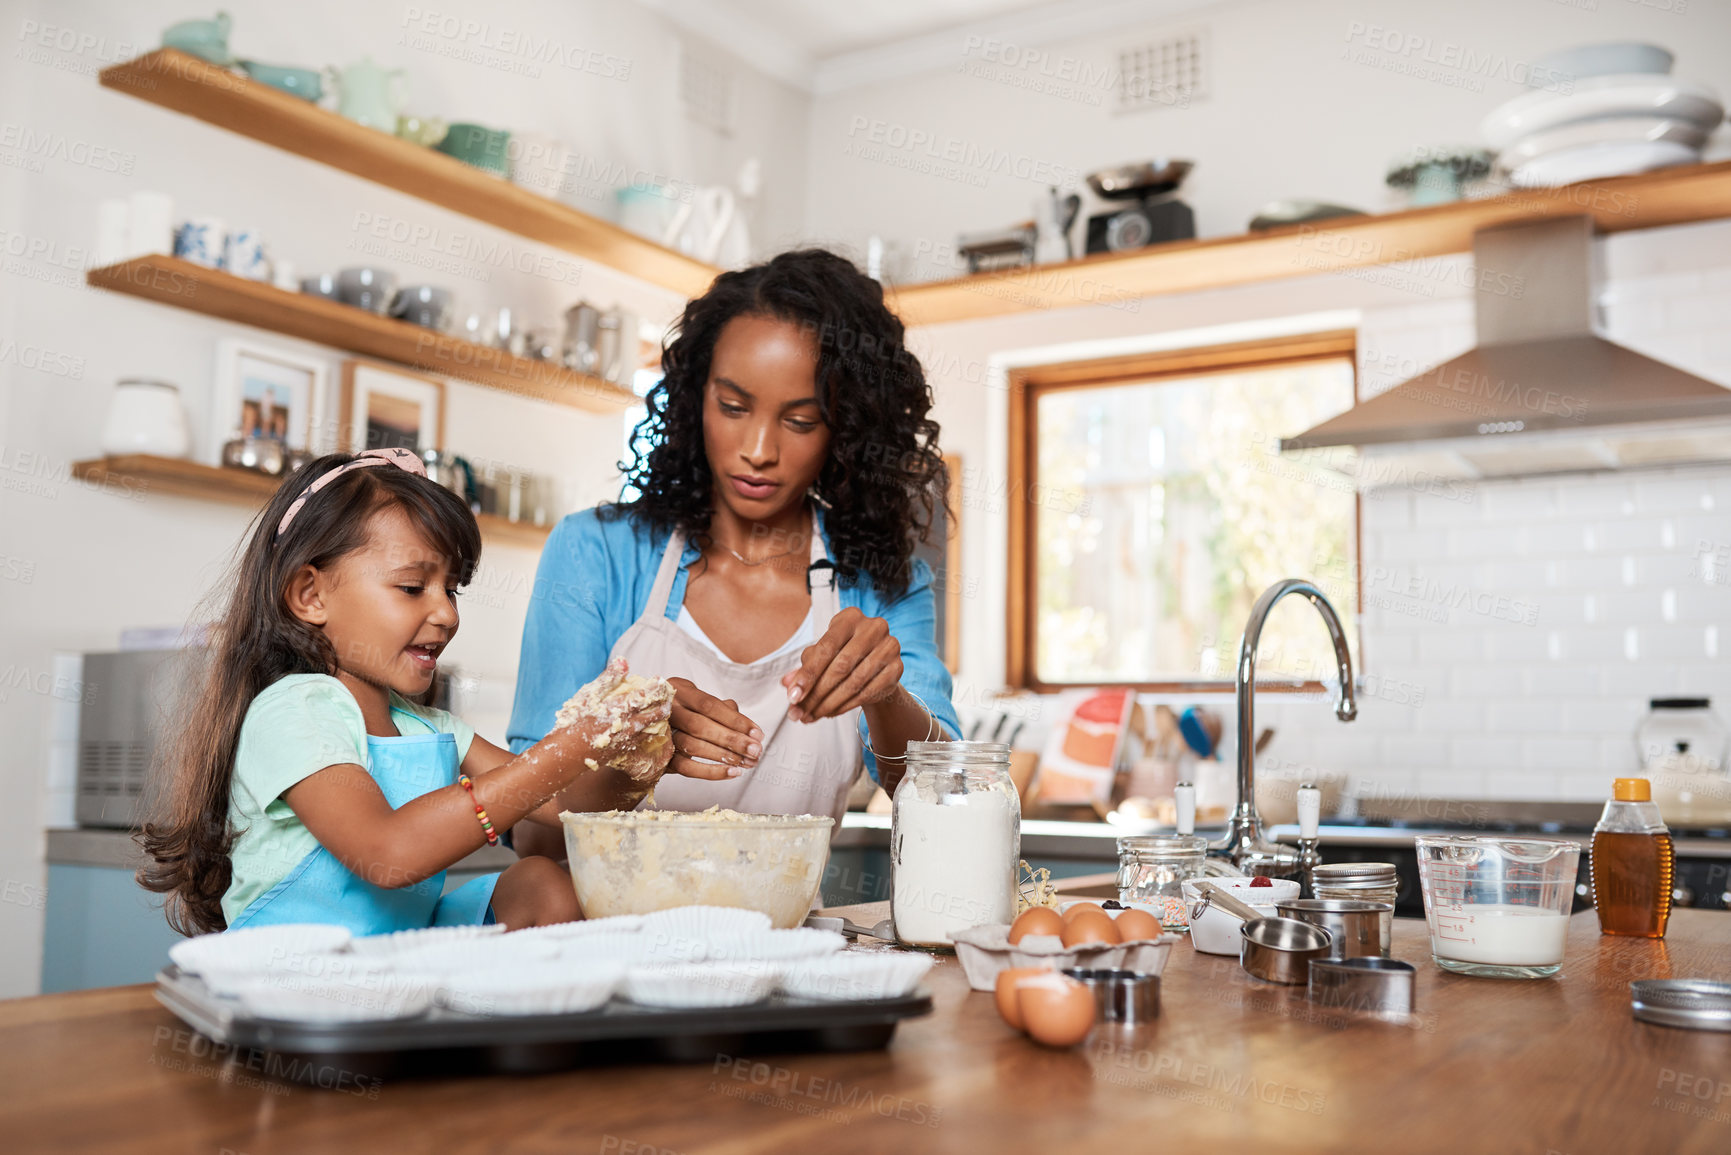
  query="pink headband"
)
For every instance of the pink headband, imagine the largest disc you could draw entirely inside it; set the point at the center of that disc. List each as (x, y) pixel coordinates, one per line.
(401, 458)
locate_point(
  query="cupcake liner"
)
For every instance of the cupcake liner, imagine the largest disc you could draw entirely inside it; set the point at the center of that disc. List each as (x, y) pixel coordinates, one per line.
(701, 984)
(549, 988)
(840, 977)
(585, 927)
(774, 945)
(329, 966)
(620, 947)
(258, 949)
(402, 941)
(482, 954)
(704, 922)
(298, 998)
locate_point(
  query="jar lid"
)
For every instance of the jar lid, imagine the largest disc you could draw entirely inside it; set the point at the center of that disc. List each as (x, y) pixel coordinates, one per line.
(1350, 873)
(1163, 844)
(925, 754)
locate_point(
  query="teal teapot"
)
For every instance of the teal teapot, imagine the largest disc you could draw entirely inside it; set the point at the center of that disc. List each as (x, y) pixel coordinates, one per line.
(370, 95)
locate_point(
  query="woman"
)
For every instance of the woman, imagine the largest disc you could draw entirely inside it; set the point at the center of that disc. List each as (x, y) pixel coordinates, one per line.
(767, 566)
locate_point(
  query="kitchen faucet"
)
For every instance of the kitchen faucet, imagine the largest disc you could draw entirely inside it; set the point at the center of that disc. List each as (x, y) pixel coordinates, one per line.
(1244, 844)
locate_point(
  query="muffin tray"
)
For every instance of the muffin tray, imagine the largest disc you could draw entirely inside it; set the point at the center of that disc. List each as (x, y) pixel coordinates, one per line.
(444, 1042)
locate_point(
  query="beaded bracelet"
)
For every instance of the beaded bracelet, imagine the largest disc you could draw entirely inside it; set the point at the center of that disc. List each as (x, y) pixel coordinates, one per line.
(931, 727)
(466, 783)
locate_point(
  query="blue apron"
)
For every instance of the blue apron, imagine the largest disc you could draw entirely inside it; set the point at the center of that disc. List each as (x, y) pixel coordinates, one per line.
(321, 889)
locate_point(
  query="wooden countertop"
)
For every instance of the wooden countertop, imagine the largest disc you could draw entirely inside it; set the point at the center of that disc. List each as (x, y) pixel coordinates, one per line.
(1556, 1065)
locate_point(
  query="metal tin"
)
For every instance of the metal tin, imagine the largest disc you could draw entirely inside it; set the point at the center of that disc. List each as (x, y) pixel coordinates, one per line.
(1361, 882)
(1694, 1004)
(1280, 950)
(1356, 927)
(1363, 984)
(1127, 997)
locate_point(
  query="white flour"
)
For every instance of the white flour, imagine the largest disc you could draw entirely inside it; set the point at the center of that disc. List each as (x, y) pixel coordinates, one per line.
(953, 863)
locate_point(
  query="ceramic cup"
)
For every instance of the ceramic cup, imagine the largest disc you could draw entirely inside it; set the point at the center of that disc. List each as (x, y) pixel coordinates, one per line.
(428, 306)
(207, 39)
(476, 144)
(366, 288)
(324, 285)
(201, 241)
(145, 417)
(306, 83)
(243, 255)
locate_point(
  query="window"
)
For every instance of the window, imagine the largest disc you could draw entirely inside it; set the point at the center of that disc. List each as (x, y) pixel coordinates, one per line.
(1159, 507)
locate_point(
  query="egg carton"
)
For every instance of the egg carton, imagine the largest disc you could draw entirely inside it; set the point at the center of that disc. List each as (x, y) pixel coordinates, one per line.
(985, 952)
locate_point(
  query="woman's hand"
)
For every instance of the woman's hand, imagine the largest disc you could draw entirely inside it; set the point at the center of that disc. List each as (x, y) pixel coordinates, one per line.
(712, 729)
(856, 663)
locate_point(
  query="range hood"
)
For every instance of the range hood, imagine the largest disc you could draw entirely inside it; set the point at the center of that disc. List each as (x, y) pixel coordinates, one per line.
(1541, 393)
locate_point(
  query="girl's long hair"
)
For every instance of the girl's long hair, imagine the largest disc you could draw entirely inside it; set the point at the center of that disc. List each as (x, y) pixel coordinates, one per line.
(254, 642)
(883, 477)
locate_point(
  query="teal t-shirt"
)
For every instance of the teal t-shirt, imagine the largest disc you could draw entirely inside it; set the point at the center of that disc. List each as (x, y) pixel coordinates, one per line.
(298, 726)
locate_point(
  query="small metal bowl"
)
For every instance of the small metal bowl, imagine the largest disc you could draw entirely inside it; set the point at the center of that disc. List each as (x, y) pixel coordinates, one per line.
(1128, 997)
(1363, 984)
(1280, 950)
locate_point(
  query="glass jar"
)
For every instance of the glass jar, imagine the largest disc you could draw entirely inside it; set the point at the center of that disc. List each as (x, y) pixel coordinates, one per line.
(955, 840)
(1153, 868)
(1361, 881)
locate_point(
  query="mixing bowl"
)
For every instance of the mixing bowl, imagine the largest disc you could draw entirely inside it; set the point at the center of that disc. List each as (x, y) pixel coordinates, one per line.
(634, 862)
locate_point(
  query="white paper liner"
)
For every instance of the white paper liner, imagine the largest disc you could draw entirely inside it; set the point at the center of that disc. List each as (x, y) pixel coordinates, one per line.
(701, 984)
(399, 942)
(984, 951)
(774, 945)
(584, 927)
(258, 948)
(841, 977)
(301, 999)
(327, 966)
(549, 988)
(704, 922)
(481, 954)
(620, 947)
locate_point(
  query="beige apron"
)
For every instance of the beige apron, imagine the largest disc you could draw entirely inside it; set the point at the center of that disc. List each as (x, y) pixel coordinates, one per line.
(805, 768)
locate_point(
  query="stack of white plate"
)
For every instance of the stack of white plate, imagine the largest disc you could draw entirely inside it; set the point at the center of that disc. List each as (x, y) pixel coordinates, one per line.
(1604, 110)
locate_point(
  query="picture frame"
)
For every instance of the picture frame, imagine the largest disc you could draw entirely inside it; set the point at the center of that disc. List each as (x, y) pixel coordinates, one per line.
(258, 385)
(383, 407)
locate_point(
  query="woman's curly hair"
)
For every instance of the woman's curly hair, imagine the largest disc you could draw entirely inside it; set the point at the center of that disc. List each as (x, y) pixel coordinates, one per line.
(883, 476)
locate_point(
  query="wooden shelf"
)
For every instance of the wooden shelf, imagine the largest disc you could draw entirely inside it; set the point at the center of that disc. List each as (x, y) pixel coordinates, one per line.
(184, 285)
(229, 100)
(1669, 197)
(143, 473)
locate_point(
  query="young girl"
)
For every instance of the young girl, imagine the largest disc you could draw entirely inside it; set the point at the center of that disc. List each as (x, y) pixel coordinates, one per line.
(307, 787)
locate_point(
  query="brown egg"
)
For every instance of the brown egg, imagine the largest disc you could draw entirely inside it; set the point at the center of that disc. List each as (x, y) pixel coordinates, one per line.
(1058, 1011)
(1076, 911)
(1036, 920)
(1137, 924)
(1004, 993)
(1091, 928)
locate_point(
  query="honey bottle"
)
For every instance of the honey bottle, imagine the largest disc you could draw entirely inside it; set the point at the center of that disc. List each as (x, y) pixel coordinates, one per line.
(1633, 863)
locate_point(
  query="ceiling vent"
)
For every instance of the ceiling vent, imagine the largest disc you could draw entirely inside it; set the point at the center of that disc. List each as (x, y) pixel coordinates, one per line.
(1169, 73)
(707, 90)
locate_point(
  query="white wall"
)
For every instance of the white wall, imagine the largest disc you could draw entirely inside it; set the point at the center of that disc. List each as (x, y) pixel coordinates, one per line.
(97, 562)
(1304, 100)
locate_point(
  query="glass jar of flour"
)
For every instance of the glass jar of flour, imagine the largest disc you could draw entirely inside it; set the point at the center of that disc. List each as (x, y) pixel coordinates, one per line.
(955, 840)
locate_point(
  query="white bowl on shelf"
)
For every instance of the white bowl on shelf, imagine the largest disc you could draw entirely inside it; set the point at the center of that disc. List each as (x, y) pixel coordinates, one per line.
(1638, 94)
(1598, 133)
(1589, 60)
(1600, 161)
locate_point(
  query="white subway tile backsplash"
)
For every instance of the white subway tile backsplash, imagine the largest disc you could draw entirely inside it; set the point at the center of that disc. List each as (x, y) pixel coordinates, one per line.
(1495, 541)
(1523, 501)
(1586, 573)
(1564, 680)
(1603, 716)
(1560, 537)
(1673, 644)
(1641, 681)
(1421, 752)
(1484, 682)
(1560, 753)
(1659, 493)
(1523, 717)
(1449, 716)
(1516, 644)
(1641, 533)
(1449, 646)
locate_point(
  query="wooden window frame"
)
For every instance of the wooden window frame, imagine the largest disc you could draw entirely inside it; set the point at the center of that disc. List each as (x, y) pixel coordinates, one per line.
(1028, 385)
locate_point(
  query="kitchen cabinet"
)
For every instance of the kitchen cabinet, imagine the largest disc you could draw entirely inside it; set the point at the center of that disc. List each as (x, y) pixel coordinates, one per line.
(1230, 1064)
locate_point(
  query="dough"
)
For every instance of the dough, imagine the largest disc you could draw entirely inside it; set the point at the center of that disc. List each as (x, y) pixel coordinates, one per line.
(612, 698)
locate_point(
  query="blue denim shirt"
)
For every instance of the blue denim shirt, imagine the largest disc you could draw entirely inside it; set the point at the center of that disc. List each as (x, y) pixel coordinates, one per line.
(594, 581)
